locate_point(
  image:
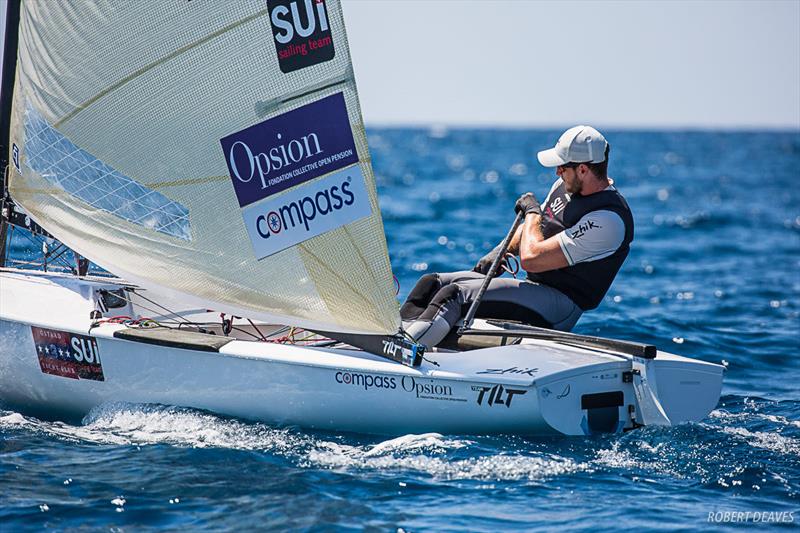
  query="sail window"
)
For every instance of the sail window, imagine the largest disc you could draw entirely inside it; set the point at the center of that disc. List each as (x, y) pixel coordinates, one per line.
(62, 163)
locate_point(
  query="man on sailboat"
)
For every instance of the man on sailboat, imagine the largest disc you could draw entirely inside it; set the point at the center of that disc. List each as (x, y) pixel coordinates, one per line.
(571, 246)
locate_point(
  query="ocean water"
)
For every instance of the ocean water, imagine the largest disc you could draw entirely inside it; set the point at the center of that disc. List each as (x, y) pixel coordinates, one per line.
(714, 273)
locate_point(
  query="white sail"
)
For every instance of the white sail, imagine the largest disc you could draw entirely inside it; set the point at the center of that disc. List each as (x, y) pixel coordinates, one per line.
(211, 150)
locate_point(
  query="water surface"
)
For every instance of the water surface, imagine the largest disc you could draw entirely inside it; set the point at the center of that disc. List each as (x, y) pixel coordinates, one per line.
(714, 273)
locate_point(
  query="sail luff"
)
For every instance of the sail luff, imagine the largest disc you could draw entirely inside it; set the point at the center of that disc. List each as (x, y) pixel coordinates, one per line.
(8, 70)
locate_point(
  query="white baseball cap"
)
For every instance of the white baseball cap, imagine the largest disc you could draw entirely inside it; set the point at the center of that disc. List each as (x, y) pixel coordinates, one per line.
(579, 144)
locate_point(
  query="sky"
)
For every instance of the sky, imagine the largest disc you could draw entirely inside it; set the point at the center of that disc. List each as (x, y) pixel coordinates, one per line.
(621, 64)
(612, 64)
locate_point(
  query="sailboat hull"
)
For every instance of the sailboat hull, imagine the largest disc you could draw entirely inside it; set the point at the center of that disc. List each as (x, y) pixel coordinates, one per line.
(535, 388)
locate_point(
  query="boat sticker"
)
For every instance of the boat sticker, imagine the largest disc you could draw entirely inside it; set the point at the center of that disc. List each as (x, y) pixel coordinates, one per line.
(429, 389)
(300, 214)
(498, 395)
(367, 381)
(68, 355)
(608, 375)
(564, 393)
(302, 33)
(421, 388)
(290, 149)
(513, 370)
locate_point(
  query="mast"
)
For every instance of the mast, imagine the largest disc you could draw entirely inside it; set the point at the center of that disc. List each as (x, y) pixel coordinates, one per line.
(9, 67)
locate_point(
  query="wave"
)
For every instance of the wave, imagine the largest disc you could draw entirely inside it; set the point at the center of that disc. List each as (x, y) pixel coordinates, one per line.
(716, 451)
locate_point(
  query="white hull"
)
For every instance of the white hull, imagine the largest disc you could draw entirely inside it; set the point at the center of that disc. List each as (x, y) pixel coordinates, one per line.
(552, 388)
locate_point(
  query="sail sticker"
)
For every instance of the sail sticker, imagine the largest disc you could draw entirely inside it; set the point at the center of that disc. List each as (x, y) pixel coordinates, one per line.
(15, 155)
(68, 355)
(307, 211)
(56, 159)
(302, 33)
(290, 149)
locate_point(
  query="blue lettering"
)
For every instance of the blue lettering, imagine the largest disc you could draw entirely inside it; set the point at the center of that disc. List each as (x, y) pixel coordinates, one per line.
(337, 204)
(288, 209)
(346, 191)
(261, 219)
(323, 195)
(307, 208)
(308, 216)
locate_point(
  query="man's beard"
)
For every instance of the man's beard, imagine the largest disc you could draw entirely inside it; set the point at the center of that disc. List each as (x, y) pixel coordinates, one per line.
(575, 187)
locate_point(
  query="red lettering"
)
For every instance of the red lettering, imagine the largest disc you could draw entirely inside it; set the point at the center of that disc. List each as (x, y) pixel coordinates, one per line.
(320, 43)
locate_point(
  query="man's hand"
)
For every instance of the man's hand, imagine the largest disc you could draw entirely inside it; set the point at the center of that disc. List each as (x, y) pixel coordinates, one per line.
(527, 204)
(483, 266)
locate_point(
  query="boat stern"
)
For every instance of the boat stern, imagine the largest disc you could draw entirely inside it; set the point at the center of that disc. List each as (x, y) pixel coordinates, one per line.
(610, 396)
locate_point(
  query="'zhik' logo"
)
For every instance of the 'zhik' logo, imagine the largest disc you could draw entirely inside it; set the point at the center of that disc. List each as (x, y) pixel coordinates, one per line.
(513, 370)
(302, 33)
(583, 228)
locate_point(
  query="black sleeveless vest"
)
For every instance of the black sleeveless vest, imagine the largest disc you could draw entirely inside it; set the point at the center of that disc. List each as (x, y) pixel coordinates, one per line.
(585, 283)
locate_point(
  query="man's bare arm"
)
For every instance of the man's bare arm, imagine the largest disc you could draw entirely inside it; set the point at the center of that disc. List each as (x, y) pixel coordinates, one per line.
(536, 253)
(513, 246)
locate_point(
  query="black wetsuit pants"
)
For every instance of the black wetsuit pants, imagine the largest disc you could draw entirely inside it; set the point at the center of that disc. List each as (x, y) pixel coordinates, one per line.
(438, 301)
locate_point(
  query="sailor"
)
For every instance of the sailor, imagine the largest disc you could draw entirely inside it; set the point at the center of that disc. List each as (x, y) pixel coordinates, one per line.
(571, 247)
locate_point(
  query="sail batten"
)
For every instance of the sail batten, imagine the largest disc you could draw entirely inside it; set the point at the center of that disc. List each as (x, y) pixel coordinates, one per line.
(212, 151)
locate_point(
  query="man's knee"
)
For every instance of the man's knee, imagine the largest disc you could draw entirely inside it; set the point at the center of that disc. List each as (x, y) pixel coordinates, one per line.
(428, 280)
(420, 296)
(448, 297)
(439, 317)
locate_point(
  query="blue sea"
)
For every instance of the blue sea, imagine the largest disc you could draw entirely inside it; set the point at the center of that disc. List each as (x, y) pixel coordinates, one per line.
(714, 273)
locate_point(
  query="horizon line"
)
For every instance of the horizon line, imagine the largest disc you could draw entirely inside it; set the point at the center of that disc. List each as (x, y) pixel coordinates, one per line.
(777, 128)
